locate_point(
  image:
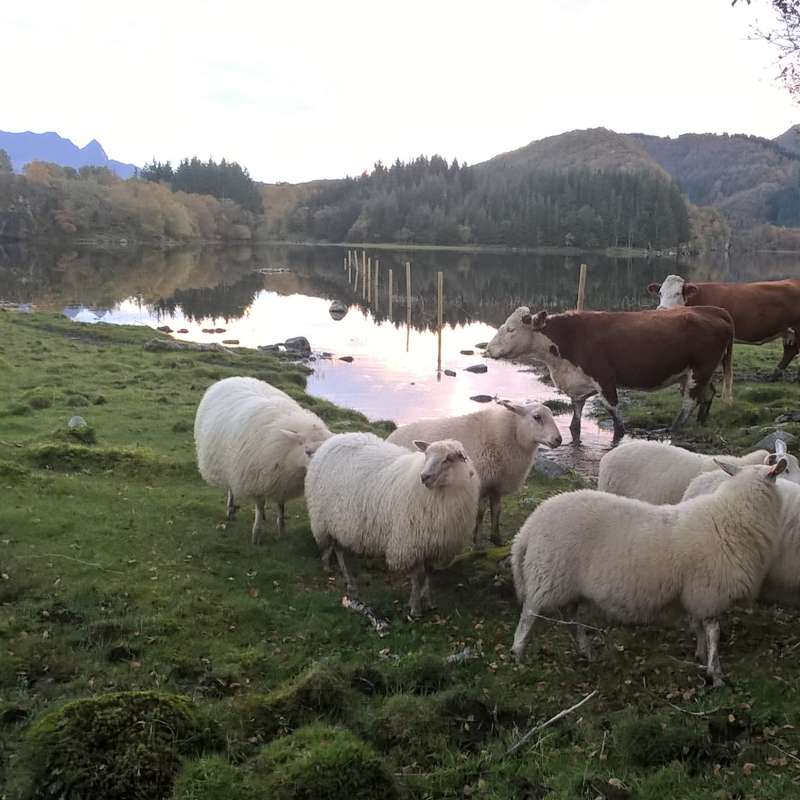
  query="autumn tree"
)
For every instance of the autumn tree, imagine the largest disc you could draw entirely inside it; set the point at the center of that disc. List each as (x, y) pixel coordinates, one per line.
(5, 163)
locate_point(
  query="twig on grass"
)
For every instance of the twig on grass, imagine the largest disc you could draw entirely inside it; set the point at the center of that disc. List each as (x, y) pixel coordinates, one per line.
(380, 624)
(72, 558)
(543, 725)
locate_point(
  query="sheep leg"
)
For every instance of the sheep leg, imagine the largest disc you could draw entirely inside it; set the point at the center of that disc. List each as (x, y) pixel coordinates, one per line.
(416, 591)
(578, 632)
(701, 648)
(494, 511)
(713, 669)
(575, 425)
(326, 551)
(352, 589)
(258, 524)
(281, 519)
(527, 618)
(479, 524)
(426, 594)
(231, 507)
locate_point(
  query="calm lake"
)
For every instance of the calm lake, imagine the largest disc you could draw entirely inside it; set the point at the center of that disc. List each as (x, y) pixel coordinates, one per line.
(264, 295)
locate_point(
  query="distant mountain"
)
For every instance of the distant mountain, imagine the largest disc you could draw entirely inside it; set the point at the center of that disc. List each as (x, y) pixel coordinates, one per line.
(742, 176)
(25, 147)
(790, 140)
(592, 149)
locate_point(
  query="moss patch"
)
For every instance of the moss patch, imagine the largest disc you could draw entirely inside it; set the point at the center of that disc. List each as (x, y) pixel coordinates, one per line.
(116, 746)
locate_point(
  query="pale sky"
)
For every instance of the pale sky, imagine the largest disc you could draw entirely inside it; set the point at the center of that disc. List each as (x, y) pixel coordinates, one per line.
(300, 90)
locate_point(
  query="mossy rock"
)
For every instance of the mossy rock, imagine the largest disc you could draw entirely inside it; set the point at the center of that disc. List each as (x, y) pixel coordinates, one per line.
(321, 690)
(421, 674)
(212, 778)
(320, 761)
(411, 728)
(117, 746)
(651, 742)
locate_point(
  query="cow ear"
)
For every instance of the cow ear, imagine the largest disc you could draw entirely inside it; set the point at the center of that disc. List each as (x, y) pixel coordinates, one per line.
(689, 290)
(540, 320)
(654, 288)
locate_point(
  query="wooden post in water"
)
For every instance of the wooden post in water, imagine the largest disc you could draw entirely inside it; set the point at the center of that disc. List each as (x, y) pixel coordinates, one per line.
(355, 280)
(581, 288)
(364, 277)
(345, 263)
(369, 280)
(390, 295)
(375, 285)
(439, 314)
(408, 304)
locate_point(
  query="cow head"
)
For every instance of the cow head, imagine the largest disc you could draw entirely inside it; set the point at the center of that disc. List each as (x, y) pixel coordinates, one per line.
(674, 292)
(520, 335)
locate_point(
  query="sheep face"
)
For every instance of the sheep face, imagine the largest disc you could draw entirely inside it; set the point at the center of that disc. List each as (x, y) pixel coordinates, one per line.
(445, 464)
(535, 424)
(792, 470)
(300, 447)
(521, 334)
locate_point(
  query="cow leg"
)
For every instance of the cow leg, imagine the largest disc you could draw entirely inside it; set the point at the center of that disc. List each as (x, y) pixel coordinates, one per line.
(790, 350)
(575, 425)
(691, 396)
(704, 405)
(610, 400)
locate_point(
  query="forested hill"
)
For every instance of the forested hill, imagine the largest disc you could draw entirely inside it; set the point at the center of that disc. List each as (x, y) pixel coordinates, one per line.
(530, 197)
(592, 149)
(751, 180)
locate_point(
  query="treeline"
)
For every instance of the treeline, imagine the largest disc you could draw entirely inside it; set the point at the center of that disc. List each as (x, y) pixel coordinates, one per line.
(431, 201)
(50, 201)
(225, 181)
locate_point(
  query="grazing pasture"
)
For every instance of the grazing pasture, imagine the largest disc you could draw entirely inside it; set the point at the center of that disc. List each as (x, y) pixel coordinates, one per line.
(144, 640)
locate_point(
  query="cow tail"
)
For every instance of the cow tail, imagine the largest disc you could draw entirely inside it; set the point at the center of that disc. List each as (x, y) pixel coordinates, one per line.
(727, 372)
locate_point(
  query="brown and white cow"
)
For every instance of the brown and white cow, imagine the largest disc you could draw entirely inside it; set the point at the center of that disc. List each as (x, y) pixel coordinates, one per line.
(595, 352)
(761, 311)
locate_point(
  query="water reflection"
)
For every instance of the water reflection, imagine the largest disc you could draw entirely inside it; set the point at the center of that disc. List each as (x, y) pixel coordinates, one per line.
(262, 295)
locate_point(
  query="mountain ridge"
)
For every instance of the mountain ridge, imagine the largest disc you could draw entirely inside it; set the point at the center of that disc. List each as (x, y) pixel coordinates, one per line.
(26, 146)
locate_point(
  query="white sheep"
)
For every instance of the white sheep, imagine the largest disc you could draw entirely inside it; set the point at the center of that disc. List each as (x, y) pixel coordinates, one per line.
(501, 440)
(415, 509)
(634, 560)
(658, 473)
(782, 583)
(255, 441)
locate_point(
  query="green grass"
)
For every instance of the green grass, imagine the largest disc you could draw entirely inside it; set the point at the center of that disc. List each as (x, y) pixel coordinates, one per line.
(119, 574)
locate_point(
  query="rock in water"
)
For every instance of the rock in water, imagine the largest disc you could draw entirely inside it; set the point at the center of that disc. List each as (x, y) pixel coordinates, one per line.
(481, 345)
(348, 359)
(450, 373)
(164, 329)
(477, 368)
(299, 345)
(482, 398)
(337, 310)
(467, 352)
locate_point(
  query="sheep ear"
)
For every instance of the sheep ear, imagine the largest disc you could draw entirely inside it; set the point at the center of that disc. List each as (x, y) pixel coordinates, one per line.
(778, 468)
(513, 407)
(421, 446)
(654, 288)
(726, 466)
(293, 435)
(780, 447)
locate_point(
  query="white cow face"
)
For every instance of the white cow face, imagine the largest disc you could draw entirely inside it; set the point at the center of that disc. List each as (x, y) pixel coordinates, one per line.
(673, 292)
(520, 335)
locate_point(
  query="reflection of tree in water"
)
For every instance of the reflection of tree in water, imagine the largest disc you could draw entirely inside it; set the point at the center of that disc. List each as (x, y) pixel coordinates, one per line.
(478, 286)
(226, 301)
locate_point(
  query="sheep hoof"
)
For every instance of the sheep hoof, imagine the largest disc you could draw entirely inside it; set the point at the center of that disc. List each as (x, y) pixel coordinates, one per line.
(519, 654)
(717, 681)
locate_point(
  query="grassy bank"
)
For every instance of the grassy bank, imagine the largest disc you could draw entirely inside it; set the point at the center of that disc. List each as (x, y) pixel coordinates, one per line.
(118, 573)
